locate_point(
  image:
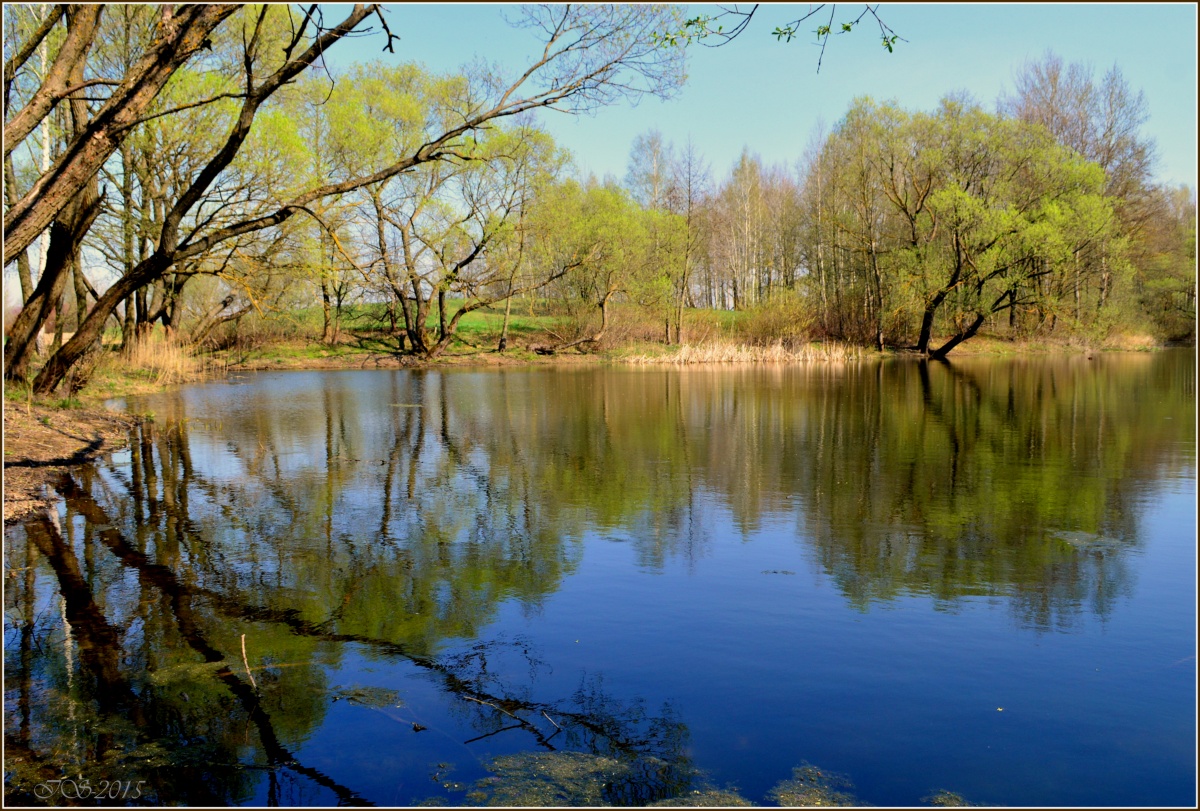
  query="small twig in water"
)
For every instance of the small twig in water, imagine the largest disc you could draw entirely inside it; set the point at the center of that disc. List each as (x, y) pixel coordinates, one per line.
(551, 720)
(247, 663)
(490, 704)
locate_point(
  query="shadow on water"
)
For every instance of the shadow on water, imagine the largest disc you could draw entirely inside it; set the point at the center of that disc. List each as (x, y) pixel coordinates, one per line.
(176, 625)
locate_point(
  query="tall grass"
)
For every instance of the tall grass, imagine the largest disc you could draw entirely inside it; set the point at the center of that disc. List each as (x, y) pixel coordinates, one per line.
(163, 359)
(728, 352)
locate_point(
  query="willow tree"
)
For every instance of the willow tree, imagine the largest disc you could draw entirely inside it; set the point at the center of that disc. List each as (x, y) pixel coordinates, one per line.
(1014, 208)
(956, 217)
(180, 33)
(458, 232)
(445, 238)
(62, 79)
(156, 163)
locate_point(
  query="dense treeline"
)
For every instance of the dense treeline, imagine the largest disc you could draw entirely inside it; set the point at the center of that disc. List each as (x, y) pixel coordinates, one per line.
(1039, 220)
(248, 179)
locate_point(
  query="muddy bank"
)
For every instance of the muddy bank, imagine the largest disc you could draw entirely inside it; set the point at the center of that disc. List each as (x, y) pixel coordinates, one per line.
(40, 443)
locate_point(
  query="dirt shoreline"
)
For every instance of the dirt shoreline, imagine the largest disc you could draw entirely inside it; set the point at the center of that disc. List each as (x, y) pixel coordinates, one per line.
(41, 443)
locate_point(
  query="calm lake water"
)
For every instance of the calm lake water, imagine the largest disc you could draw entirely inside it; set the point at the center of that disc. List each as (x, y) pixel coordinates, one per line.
(865, 583)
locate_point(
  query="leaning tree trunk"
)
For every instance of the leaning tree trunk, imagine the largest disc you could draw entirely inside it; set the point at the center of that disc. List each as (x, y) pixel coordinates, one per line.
(178, 36)
(64, 240)
(215, 317)
(66, 235)
(89, 333)
(20, 343)
(83, 22)
(927, 318)
(169, 250)
(972, 328)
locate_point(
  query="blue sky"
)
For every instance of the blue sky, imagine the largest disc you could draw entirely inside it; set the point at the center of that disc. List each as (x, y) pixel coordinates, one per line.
(765, 95)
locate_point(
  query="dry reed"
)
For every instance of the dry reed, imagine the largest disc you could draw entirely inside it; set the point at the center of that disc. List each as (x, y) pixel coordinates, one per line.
(723, 352)
(167, 360)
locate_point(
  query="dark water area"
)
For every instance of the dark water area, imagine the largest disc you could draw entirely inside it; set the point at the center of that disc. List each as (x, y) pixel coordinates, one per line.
(862, 583)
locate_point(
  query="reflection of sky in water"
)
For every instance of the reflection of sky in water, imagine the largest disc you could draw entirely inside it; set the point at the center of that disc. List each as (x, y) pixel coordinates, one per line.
(792, 564)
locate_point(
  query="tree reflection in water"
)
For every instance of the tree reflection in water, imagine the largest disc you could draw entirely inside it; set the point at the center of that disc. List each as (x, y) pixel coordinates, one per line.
(399, 519)
(160, 696)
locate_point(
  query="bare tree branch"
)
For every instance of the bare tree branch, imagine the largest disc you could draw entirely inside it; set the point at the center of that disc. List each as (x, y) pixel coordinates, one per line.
(82, 24)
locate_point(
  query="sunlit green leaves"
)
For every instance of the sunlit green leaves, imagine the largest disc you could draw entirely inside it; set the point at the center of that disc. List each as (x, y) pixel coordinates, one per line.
(963, 215)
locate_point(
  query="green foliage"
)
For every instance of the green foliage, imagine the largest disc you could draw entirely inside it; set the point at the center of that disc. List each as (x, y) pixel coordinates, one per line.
(18, 392)
(1164, 277)
(616, 251)
(949, 220)
(703, 26)
(549, 779)
(944, 798)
